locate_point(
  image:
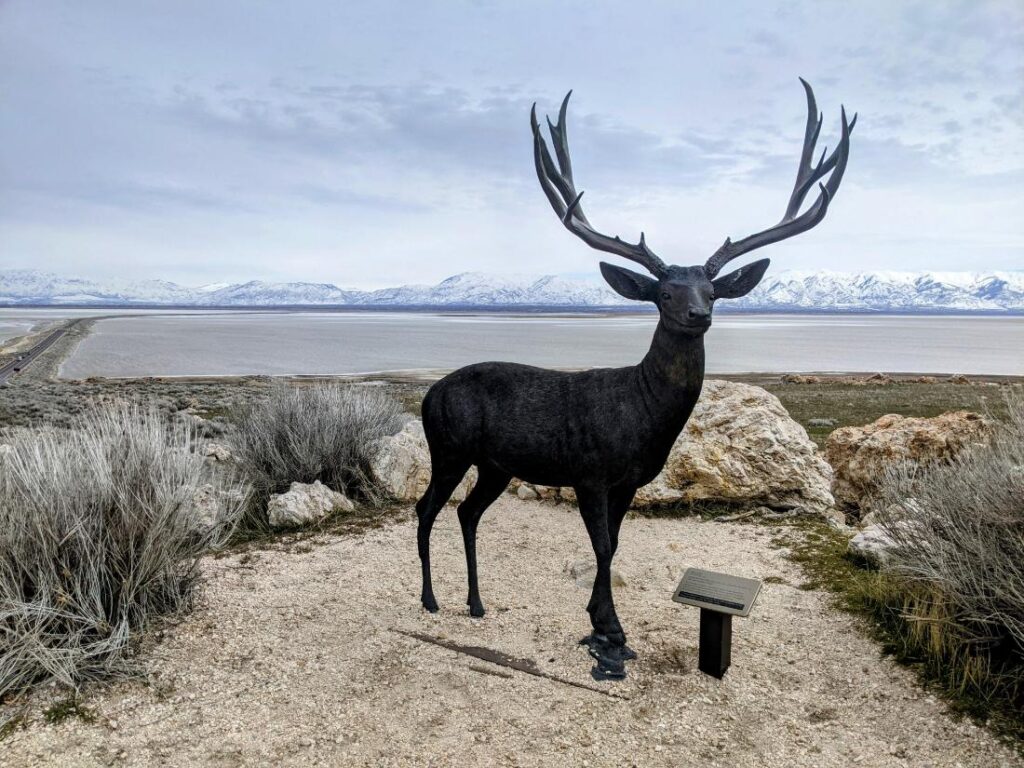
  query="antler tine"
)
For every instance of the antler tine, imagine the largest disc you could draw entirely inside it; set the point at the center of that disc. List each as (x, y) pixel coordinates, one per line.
(560, 190)
(804, 172)
(561, 140)
(807, 175)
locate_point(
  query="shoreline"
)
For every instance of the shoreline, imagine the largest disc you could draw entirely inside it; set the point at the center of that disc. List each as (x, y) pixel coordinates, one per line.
(426, 375)
(583, 310)
(78, 329)
(85, 326)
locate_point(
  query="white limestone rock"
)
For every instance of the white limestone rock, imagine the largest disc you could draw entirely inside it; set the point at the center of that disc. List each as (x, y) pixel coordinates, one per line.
(402, 466)
(207, 505)
(216, 506)
(871, 544)
(305, 503)
(527, 492)
(740, 445)
(217, 452)
(860, 456)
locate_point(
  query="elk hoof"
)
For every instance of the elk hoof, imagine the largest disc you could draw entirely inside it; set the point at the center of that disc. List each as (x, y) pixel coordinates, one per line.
(625, 651)
(608, 669)
(611, 657)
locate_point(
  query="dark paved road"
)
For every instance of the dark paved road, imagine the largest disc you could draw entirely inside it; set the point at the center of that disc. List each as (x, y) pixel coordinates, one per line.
(25, 358)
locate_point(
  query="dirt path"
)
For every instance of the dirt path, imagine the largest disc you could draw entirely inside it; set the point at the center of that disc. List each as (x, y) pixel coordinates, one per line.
(293, 659)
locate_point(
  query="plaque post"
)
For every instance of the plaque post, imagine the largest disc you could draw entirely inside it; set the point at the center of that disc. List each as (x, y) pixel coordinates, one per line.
(720, 596)
(715, 654)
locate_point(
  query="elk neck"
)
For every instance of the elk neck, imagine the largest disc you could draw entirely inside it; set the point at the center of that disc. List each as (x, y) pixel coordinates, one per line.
(671, 375)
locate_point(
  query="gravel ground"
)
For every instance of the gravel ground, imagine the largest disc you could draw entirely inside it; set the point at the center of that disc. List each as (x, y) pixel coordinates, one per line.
(293, 658)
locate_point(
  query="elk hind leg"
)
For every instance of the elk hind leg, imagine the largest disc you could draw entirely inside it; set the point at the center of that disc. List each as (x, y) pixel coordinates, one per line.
(489, 485)
(443, 481)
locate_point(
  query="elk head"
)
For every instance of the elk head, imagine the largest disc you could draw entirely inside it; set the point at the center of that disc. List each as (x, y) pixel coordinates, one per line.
(685, 296)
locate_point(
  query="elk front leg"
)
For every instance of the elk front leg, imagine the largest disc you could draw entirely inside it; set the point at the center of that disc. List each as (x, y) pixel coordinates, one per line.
(618, 505)
(607, 644)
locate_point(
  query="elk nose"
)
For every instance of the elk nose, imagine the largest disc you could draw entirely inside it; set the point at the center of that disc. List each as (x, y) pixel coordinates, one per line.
(698, 314)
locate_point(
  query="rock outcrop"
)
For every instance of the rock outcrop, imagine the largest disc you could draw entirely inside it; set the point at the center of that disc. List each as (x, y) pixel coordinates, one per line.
(543, 492)
(217, 452)
(402, 466)
(215, 505)
(207, 504)
(741, 446)
(304, 504)
(876, 545)
(871, 544)
(860, 455)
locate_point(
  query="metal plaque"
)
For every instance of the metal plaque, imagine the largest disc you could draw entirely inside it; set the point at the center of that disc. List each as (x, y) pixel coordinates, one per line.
(717, 591)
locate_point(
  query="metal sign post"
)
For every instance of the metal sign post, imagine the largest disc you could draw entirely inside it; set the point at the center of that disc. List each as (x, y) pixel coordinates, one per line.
(720, 596)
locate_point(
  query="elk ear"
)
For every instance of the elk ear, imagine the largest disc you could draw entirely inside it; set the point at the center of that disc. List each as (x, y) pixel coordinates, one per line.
(741, 282)
(630, 284)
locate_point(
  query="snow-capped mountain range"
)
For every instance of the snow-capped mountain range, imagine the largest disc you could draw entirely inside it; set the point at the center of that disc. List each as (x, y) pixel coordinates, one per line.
(1001, 292)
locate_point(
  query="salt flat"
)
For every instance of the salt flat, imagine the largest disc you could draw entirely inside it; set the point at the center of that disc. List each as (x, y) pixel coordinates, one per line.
(296, 657)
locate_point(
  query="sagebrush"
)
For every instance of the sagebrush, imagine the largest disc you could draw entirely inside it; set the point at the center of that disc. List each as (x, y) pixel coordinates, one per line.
(101, 530)
(325, 432)
(956, 575)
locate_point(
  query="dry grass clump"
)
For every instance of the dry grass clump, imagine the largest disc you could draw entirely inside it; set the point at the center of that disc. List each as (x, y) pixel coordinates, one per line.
(99, 532)
(325, 432)
(954, 585)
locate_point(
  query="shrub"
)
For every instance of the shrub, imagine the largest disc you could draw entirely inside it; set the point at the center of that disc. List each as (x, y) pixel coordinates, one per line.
(99, 532)
(955, 585)
(325, 432)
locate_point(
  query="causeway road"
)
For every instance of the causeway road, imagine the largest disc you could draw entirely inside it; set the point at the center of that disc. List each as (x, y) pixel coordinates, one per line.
(22, 361)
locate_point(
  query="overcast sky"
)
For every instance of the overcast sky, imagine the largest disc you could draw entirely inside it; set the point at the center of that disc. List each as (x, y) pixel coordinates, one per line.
(379, 143)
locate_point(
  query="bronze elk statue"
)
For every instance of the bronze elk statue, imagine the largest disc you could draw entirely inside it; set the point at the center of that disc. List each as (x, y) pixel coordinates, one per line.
(604, 432)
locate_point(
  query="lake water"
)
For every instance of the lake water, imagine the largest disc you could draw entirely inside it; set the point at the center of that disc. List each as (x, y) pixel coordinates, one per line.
(18, 322)
(11, 328)
(277, 343)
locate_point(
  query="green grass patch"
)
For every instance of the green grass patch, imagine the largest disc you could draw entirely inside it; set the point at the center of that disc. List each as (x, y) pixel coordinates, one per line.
(913, 625)
(856, 405)
(66, 709)
(10, 723)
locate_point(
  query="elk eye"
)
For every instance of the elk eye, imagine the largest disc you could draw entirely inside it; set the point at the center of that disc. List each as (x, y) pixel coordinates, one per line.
(665, 296)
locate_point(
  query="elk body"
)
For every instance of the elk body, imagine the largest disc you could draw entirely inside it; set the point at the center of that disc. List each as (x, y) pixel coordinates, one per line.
(603, 432)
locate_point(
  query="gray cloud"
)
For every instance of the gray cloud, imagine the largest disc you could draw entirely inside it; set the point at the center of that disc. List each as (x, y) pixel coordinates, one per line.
(235, 140)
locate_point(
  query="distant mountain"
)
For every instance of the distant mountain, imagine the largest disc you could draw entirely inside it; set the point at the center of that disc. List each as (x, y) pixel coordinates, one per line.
(258, 293)
(479, 289)
(889, 292)
(787, 291)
